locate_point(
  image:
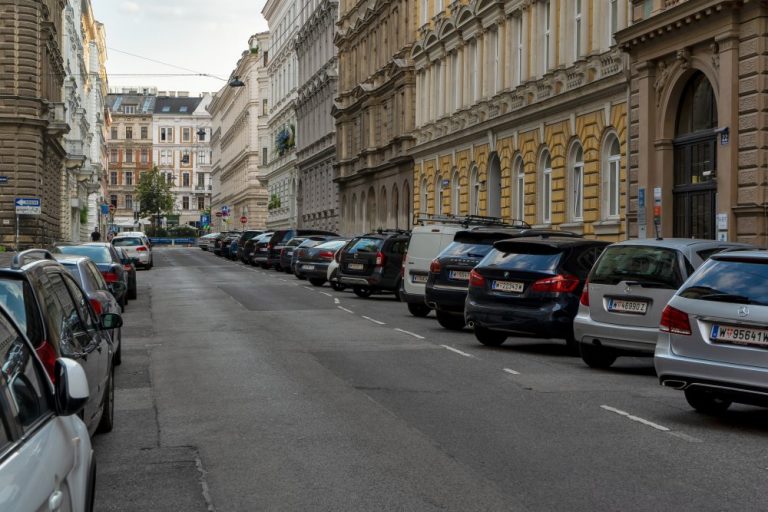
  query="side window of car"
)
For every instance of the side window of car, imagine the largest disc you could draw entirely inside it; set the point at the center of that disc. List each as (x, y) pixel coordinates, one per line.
(65, 318)
(587, 258)
(23, 383)
(398, 247)
(96, 276)
(82, 304)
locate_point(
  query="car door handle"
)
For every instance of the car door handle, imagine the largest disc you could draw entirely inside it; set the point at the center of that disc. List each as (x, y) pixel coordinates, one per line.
(55, 501)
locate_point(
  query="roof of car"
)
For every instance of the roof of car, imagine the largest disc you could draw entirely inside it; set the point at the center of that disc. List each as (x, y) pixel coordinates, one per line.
(70, 259)
(740, 255)
(678, 243)
(20, 261)
(550, 241)
(385, 234)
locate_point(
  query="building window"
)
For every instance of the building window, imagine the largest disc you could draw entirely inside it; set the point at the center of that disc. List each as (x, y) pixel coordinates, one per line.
(129, 156)
(129, 109)
(144, 155)
(202, 158)
(546, 188)
(128, 178)
(128, 132)
(611, 178)
(144, 132)
(438, 194)
(200, 180)
(577, 30)
(496, 61)
(185, 179)
(424, 9)
(424, 195)
(264, 107)
(457, 75)
(169, 178)
(641, 9)
(113, 156)
(166, 157)
(113, 133)
(166, 135)
(113, 178)
(201, 203)
(474, 192)
(185, 203)
(113, 200)
(129, 202)
(547, 37)
(186, 157)
(613, 19)
(519, 204)
(264, 156)
(201, 134)
(456, 194)
(577, 183)
(186, 135)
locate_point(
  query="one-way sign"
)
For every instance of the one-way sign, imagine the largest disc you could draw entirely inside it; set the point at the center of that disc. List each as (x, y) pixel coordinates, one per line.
(28, 206)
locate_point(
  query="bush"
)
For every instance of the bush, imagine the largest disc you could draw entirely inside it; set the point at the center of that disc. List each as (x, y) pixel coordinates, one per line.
(182, 232)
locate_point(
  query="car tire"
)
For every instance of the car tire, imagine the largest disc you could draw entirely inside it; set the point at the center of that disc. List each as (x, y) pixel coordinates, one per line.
(597, 357)
(90, 493)
(316, 281)
(107, 422)
(450, 322)
(133, 292)
(488, 337)
(338, 286)
(706, 403)
(118, 357)
(362, 291)
(418, 310)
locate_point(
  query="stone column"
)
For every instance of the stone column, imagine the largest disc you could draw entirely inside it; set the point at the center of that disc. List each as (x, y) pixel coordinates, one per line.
(645, 136)
(729, 156)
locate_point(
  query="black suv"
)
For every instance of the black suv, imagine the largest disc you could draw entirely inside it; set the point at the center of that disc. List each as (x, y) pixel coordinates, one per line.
(247, 235)
(280, 238)
(373, 262)
(59, 320)
(446, 288)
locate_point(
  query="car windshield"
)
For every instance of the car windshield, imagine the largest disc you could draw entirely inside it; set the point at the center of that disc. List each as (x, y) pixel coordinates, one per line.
(127, 242)
(366, 245)
(12, 298)
(546, 262)
(734, 281)
(333, 245)
(647, 266)
(471, 248)
(97, 253)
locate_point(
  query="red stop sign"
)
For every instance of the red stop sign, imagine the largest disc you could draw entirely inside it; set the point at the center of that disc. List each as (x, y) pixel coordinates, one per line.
(243, 219)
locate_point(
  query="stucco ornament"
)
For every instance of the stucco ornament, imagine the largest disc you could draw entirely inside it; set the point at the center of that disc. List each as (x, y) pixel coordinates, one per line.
(662, 74)
(684, 57)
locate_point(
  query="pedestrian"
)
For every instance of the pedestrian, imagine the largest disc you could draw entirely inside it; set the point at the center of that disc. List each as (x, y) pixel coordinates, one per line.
(110, 236)
(95, 236)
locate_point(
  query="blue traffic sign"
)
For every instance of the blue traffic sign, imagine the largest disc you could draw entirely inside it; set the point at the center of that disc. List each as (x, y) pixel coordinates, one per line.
(3, 180)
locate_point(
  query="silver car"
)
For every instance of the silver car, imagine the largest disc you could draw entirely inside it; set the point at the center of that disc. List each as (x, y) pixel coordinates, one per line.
(714, 334)
(628, 288)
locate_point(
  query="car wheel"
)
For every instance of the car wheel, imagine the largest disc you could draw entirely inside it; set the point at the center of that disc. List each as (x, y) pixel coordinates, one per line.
(488, 337)
(706, 403)
(338, 286)
(107, 422)
(597, 357)
(449, 321)
(362, 291)
(418, 310)
(118, 357)
(317, 281)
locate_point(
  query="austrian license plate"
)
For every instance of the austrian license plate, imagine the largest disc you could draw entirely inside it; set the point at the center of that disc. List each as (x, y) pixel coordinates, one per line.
(507, 286)
(307, 267)
(458, 275)
(627, 306)
(355, 266)
(417, 278)
(739, 335)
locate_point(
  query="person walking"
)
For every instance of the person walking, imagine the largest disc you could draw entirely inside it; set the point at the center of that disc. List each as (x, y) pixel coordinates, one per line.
(95, 236)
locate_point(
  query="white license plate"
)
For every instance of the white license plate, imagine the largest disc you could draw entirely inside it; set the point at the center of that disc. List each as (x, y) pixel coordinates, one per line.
(627, 306)
(739, 335)
(355, 266)
(458, 275)
(307, 267)
(416, 278)
(507, 286)
(263, 249)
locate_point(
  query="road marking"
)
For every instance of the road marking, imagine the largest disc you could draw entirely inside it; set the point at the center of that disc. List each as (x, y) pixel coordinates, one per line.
(309, 288)
(374, 320)
(635, 418)
(327, 294)
(336, 301)
(409, 333)
(513, 372)
(457, 351)
(347, 310)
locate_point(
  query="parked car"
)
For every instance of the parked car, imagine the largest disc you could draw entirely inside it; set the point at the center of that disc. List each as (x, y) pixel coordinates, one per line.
(140, 234)
(427, 241)
(215, 245)
(204, 241)
(130, 268)
(260, 252)
(95, 287)
(332, 274)
(136, 247)
(280, 238)
(314, 263)
(110, 265)
(714, 334)
(225, 242)
(246, 236)
(298, 246)
(40, 465)
(448, 279)
(371, 263)
(530, 287)
(628, 288)
(58, 318)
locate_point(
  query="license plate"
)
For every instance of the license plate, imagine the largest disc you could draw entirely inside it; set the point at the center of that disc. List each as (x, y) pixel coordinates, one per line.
(739, 335)
(355, 266)
(263, 249)
(627, 306)
(458, 275)
(416, 278)
(307, 267)
(289, 253)
(507, 286)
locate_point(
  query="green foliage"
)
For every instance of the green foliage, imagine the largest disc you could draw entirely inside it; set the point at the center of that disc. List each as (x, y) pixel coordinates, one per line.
(155, 195)
(183, 231)
(84, 214)
(285, 139)
(274, 202)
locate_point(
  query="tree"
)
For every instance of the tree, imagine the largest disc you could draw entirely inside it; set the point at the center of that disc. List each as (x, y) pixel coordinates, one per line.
(155, 196)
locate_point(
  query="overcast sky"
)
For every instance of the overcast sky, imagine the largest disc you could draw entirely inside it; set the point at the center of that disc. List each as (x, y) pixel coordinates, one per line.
(199, 35)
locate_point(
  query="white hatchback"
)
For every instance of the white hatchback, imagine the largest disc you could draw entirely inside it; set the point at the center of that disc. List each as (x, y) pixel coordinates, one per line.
(46, 459)
(136, 247)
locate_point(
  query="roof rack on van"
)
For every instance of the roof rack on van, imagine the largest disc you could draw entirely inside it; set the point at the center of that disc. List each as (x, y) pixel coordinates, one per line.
(19, 259)
(471, 220)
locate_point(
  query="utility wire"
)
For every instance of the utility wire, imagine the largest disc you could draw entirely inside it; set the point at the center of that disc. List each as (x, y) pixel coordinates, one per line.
(196, 73)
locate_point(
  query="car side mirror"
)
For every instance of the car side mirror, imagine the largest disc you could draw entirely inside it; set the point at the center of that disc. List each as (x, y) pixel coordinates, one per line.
(71, 387)
(111, 321)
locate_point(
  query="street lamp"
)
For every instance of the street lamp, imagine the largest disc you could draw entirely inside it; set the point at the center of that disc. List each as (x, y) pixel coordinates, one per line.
(236, 82)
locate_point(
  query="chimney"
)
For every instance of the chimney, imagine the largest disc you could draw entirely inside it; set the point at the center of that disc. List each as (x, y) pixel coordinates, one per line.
(183, 94)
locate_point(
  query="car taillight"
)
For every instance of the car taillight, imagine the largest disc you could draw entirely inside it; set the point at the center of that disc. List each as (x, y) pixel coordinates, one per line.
(674, 321)
(584, 300)
(380, 259)
(141, 248)
(269, 247)
(96, 305)
(557, 284)
(475, 279)
(111, 277)
(47, 356)
(282, 252)
(326, 255)
(435, 267)
(127, 267)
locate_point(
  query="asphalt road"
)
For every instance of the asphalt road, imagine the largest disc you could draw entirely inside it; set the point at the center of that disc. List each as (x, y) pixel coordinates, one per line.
(247, 390)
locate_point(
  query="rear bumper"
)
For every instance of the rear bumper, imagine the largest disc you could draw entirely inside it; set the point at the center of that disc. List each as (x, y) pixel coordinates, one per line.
(446, 298)
(319, 272)
(637, 340)
(375, 280)
(411, 298)
(548, 321)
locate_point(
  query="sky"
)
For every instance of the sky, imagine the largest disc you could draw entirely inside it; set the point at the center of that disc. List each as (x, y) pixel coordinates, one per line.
(198, 35)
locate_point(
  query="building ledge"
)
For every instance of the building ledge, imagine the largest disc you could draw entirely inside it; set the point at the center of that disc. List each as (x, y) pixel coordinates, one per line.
(607, 227)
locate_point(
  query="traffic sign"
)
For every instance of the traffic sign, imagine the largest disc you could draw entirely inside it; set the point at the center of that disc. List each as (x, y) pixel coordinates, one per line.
(111, 208)
(3, 180)
(28, 206)
(219, 214)
(243, 219)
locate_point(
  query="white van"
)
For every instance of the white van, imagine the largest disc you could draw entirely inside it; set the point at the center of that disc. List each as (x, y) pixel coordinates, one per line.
(427, 241)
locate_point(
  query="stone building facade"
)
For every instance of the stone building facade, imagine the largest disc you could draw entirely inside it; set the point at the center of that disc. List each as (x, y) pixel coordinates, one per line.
(522, 113)
(698, 120)
(375, 113)
(317, 193)
(239, 117)
(32, 119)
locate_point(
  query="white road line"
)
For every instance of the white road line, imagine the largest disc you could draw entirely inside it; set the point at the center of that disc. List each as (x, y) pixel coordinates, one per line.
(513, 372)
(336, 301)
(457, 351)
(374, 320)
(347, 310)
(409, 333)
(327, 294)
(309, 287)
(635, 418)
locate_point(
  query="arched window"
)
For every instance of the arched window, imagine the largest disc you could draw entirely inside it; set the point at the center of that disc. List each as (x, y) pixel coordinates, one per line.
(438, 209)
(424, 195)
(474, 192)
(611, 178)
(383, 218)
(493, 186)
(407, 205)
(545, 170)
(518, 206)
(353, 215)
(395, 207)
(576, 182)
(456, 194)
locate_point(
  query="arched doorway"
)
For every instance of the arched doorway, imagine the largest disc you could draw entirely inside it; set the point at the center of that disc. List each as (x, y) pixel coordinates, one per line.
(493, 186)
(695, 149)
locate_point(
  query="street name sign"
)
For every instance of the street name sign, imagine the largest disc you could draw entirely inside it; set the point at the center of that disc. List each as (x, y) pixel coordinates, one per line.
(3, 180)
(28, 206)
